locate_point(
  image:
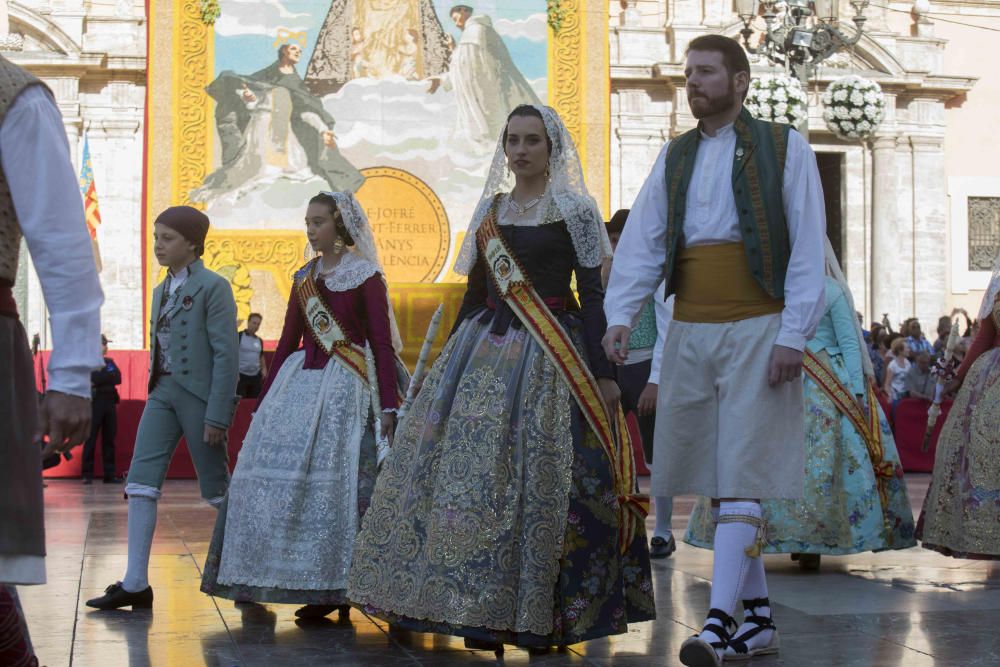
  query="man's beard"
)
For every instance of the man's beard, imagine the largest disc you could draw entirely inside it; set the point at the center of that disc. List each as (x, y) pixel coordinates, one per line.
(710, 106)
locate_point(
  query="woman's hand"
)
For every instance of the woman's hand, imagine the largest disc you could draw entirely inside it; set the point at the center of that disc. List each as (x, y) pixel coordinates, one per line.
(388, 426)
(611, 394)
(647, 400)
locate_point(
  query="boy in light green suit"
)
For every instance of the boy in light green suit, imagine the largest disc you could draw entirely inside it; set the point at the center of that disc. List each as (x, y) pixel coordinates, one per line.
(193, 372)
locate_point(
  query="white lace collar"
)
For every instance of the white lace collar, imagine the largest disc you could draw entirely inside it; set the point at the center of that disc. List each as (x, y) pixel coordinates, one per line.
(349, 274)
(584, 230)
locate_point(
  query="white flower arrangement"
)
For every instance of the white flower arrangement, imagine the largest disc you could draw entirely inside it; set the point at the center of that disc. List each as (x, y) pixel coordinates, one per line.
(777, 99)
(854, 107)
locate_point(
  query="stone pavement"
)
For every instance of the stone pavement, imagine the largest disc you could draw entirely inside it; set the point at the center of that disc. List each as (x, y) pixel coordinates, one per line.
(909, 608)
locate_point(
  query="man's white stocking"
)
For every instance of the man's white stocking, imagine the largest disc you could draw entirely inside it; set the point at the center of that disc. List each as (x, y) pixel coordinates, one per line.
(738, 539)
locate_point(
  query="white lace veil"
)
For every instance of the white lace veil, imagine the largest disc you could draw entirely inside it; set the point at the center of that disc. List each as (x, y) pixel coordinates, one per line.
(833, 270)
(357, 226)
(991, 292)
(566, 187)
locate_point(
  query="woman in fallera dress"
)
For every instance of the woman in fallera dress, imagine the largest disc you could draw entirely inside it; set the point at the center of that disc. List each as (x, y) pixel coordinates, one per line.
(495, 516)
(855, 498)
(307, 467)
(961, 515)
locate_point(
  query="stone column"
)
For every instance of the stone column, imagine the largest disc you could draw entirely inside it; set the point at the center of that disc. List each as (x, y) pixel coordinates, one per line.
(685, 21)
(903, 190)
(639, 133)
(885, 232)
(930, 229)
(116, 153)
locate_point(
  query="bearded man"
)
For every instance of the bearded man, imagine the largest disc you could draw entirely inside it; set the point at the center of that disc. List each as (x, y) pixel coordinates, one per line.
(732, 217)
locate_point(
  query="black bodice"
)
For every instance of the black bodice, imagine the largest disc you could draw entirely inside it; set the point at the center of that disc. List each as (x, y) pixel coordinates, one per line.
(546, 255)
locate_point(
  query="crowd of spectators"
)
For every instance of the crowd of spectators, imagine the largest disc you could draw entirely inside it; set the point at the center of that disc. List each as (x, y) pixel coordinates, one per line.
(902, 359)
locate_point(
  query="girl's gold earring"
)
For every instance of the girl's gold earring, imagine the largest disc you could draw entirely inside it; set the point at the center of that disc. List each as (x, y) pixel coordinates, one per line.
(338, 245)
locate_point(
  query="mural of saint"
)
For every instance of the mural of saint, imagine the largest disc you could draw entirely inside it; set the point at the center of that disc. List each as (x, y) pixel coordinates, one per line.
(487, 83)
(377, 39)
(253, 114)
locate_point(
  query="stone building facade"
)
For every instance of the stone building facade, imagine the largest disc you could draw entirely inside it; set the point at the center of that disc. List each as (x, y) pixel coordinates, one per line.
(92, 54)
(894, 216)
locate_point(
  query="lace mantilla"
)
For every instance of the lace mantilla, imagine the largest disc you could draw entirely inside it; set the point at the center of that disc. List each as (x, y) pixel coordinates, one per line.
(585, 233)
(566, 188)
(350, 274)
(364, 248)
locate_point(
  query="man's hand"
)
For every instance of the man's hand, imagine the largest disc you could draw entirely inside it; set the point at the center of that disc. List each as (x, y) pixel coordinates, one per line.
(329, 139)
(65, 419)
(247, 95)
(611, 394)
(215, 436)
(785, 366)
(435, 84)
(389, 426)
(647, 400)
(615, 344)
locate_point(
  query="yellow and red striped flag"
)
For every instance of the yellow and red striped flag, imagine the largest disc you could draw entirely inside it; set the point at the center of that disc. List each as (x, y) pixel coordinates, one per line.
(92, 213)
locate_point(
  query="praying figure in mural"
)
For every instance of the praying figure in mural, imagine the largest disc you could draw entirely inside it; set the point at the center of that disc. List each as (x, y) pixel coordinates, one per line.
(248, 116)
(390, 37)
(486, 81)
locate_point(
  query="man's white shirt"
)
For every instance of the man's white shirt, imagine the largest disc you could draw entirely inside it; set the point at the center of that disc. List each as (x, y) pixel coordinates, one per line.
(711, 218)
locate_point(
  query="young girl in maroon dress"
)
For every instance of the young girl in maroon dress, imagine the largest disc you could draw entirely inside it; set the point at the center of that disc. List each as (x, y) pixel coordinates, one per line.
(307, 468)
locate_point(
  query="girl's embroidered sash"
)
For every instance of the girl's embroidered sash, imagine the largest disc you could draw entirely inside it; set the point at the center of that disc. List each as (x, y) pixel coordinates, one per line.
(324, 327)
(867, 425)
(513, 285)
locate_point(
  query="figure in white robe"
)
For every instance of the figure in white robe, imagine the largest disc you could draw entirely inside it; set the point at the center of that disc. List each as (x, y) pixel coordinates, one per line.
(486, 81)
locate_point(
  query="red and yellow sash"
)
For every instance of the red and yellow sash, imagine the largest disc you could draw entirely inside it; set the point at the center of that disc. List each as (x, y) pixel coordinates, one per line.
(515, 288)
(867, 425)
(324, 327)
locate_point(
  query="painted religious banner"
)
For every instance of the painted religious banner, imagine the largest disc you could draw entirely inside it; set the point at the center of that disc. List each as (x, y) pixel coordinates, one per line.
(398, 101)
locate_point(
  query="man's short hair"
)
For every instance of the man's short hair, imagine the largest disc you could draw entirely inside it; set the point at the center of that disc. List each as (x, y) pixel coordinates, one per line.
(733, 55)
(460, 8)
(253, 315)
(284, 47)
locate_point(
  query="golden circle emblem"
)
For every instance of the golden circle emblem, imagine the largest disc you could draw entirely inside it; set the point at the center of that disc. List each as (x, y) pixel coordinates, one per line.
(409, 223)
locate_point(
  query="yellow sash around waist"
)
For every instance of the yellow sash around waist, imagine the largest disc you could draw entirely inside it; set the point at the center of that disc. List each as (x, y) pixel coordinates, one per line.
(714, 284)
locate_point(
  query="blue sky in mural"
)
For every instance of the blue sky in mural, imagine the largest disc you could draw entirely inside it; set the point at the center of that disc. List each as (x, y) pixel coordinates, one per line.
(247, 30)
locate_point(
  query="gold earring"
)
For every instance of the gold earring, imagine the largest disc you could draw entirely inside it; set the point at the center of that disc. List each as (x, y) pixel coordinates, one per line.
(338, 245)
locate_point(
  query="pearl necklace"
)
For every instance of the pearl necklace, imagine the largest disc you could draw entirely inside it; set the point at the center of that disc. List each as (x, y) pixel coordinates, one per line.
(522, 209)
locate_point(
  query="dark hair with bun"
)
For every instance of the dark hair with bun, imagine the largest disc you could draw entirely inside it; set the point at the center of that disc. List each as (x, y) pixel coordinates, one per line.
(338, 219)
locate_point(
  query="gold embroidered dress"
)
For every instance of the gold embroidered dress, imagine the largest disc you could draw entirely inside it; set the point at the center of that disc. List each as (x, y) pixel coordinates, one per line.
(494, 516)
(961, 515)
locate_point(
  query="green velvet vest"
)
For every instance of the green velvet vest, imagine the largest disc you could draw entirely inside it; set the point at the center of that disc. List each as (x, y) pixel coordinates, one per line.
(758, 176)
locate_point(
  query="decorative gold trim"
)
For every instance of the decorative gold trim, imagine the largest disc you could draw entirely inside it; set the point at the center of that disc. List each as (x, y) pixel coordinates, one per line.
(195, 51)
(579, 89)
(565, 82)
